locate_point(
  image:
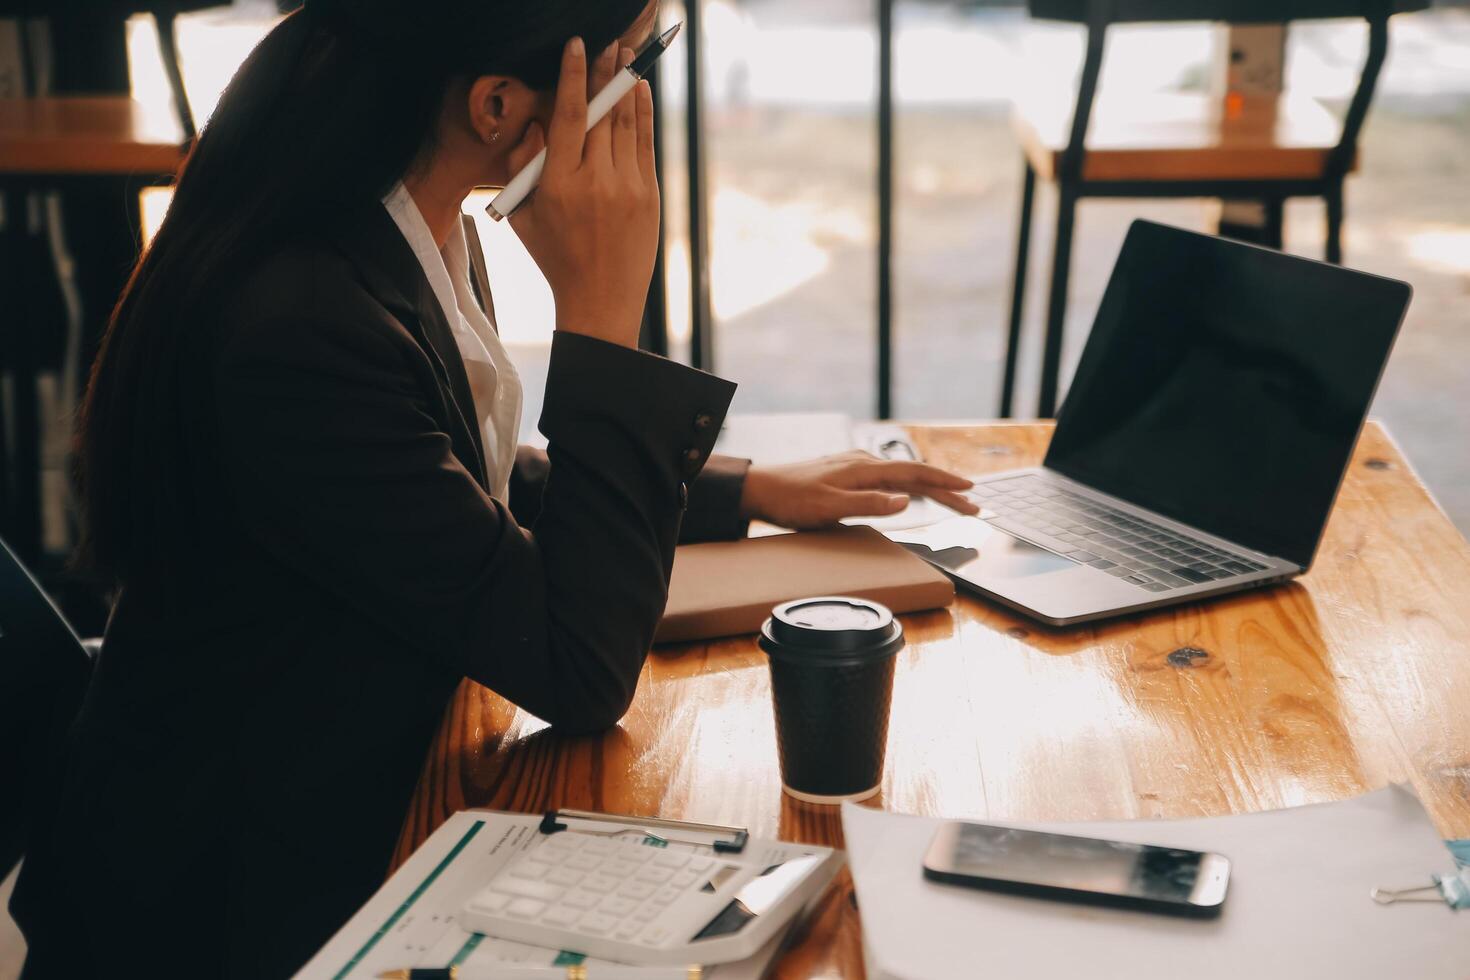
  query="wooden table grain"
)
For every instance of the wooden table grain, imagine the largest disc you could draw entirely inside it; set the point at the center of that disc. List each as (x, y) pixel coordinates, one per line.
(1356, 675)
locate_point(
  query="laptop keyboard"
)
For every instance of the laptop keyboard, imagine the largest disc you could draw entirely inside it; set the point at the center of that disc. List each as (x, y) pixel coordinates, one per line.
(1088, 531)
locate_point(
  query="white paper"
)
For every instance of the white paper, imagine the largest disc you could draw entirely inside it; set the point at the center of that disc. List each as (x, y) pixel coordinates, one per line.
(422, 921)
(774, 439)
(1298, 905)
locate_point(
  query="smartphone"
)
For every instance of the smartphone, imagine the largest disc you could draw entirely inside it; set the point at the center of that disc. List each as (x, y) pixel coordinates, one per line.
(1079, 869)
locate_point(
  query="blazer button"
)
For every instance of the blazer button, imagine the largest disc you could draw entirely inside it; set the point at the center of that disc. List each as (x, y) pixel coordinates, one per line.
(692, 456)
(703, 420)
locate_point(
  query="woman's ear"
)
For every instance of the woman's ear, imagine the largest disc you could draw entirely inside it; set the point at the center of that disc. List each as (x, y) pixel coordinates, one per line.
(500, 109)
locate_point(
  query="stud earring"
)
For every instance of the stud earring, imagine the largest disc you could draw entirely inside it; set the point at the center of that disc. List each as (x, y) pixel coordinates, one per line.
(492, 137)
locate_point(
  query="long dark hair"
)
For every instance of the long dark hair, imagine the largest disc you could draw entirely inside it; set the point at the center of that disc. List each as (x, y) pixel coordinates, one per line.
(328, 111)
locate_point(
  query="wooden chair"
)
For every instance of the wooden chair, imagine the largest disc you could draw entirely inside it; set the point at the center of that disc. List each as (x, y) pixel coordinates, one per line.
(1182, 145)
(48, 143)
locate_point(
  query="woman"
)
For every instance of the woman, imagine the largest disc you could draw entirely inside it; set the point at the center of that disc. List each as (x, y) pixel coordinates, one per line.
(298, 463)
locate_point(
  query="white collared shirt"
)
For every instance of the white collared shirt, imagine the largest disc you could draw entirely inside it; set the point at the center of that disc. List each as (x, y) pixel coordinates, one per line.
(493, 379)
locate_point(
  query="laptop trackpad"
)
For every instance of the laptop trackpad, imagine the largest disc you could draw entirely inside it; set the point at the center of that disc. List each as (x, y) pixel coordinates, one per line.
(973, 550)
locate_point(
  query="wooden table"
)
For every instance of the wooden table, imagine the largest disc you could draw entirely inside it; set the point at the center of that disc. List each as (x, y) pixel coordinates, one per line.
(48, 144)
(1357, 675)
(72, 135)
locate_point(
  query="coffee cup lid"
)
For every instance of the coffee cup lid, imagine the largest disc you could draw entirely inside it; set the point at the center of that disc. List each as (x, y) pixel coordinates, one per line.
(836, 626)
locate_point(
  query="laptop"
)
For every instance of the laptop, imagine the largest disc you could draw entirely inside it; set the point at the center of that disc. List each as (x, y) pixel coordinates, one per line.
(1201, 445)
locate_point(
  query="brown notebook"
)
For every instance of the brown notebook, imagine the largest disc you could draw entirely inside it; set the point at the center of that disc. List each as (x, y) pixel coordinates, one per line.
(723, 588)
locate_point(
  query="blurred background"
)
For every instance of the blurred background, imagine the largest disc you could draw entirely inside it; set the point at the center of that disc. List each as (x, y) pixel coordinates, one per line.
(789, 194)
(778, 287)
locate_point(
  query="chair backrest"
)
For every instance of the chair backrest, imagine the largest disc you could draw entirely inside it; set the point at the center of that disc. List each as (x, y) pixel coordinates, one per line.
(43, 675)
(1098, 15)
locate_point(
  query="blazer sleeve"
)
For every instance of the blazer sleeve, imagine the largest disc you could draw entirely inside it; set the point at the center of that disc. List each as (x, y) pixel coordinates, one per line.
(339, 470)
(713, 513)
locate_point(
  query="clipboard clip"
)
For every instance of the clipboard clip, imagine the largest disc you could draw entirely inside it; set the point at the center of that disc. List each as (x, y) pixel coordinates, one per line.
(551, 823)
(1388, 896)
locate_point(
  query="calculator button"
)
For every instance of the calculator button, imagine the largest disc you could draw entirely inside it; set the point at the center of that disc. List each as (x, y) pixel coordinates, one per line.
(561, 915)
(672, 859)
(491, 901)
(681, 880)
(564, 876)
(654, 935)
(627, 930)
(582, 862)
(615, 905)
(531, 869)
(618, 869)
(596, 923)
(666, 895)
(525, 908)
(539, 890)
(581, 900)
(636, 889)
(599, 883)
(645, 913)
(597, 847)
(700, 864)
(655, 876)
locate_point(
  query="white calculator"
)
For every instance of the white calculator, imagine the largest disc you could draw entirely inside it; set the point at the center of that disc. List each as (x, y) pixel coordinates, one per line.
(642, 901)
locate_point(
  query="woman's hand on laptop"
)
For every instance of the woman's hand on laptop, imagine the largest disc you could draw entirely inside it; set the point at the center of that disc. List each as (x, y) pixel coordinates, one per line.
(822, 492)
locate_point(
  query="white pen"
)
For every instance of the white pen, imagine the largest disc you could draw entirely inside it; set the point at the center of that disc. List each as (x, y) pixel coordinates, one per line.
(521, 186)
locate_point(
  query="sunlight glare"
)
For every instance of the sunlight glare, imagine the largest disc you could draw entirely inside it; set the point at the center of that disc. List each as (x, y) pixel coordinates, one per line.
(1444, 248)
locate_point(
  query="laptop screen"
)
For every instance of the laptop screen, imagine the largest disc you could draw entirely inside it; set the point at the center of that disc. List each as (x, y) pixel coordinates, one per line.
(1224, 386)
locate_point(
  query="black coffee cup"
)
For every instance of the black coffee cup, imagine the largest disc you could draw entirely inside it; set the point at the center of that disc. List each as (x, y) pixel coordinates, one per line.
(832, 663)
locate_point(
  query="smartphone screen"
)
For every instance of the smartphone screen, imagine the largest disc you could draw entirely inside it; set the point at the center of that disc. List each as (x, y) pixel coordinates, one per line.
(1079, 867)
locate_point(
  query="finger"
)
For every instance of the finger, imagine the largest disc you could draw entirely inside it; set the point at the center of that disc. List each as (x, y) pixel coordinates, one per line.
(599, 140)
(902, 474)
(871, 503)
(568, 131)
(954, 501)
(647, 166)
(625, 125)
(937, 477)
(922, 474)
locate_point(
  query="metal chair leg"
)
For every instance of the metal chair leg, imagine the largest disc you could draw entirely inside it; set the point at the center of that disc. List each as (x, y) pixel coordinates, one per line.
(1018, 293)
(1056, 312)
(1275, 222)
(1333, 197)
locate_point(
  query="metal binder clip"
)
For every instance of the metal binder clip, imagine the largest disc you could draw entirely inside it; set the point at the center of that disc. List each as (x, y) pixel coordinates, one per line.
(1388, 896)
(551, 824)
(1452, 889)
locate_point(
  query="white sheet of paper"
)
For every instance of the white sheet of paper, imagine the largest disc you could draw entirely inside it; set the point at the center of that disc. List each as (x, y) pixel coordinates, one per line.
(776, 438)
(417, 909)
(1298, 904)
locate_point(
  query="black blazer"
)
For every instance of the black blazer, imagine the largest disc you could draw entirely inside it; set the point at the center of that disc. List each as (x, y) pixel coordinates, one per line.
(240, 770)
